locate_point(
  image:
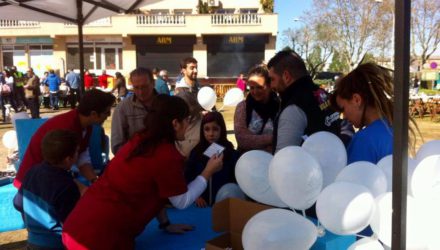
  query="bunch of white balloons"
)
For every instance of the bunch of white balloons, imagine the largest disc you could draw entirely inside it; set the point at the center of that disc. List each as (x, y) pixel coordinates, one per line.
(348, 198)
(207, 98)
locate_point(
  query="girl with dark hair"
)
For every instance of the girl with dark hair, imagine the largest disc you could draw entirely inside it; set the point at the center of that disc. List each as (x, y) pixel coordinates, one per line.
(365, 97)
(144, 175)
(212, 130)
(253, 119)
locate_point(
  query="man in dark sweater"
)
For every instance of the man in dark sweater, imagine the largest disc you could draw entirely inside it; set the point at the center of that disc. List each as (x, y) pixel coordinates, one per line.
(305, 108)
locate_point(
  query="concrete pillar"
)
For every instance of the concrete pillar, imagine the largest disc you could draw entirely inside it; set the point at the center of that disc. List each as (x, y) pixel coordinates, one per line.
(128, 56)
(270, 50)
(200, 53)
(60, 54)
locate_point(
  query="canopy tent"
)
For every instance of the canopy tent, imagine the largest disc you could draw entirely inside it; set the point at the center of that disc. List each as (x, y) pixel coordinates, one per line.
(79, 12)
(90, 10)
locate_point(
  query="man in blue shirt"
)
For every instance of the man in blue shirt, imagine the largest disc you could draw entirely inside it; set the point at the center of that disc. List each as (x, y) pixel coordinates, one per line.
(161, 84)
(53, 81)
(73, 80)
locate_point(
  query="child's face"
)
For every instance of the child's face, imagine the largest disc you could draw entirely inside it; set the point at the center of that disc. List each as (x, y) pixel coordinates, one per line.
(211, 131)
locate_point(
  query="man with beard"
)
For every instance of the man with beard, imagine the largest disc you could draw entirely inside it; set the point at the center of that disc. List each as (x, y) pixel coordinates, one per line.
(188, 82)
(305, 108)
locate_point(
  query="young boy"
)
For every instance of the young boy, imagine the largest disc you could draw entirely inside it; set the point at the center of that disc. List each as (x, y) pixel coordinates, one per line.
(49, 193)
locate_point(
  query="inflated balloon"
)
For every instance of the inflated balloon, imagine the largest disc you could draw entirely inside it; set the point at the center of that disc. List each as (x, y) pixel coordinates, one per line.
(426, 178)
(345, 208)
(296, 177)
(233, 97)
(19, 116)
(366, 244)
(229, 190)
(330, 152)
(10, 140)
(428, 149)
(382, 221)
(278, 229)
(367, 174)
(431, 219)
(206, 98)
(386, 164)
(252, 174)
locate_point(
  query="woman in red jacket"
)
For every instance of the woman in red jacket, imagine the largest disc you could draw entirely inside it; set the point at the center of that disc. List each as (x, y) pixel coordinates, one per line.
(145, 174)
(88, 80)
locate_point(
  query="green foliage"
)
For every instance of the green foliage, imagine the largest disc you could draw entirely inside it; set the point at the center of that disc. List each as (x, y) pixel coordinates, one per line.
(368, 57)
(338, 64)
(267, 5)
(323, 81)
(429, 91)
(203, 7)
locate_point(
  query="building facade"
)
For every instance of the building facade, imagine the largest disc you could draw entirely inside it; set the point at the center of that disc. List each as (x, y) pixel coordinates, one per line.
(228, 40)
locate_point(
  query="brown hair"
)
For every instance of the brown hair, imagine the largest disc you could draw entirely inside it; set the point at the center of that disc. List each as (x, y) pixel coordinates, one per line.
(59, 144)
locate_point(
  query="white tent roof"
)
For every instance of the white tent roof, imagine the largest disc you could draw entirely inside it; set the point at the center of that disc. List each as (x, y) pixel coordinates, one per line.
(65, 10)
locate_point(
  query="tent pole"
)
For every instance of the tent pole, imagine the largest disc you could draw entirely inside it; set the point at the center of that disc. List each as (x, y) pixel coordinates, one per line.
(400, 124)
(80, 23)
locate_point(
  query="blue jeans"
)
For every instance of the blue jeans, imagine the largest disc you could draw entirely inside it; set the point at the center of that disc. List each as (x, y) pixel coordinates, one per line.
(54, 100)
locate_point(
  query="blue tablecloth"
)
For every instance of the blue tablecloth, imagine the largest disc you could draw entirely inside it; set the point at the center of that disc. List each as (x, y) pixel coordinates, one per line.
(153, 238)
(10, 219)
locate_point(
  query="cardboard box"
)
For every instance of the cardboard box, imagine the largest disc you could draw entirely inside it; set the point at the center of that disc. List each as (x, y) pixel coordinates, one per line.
(230, 216)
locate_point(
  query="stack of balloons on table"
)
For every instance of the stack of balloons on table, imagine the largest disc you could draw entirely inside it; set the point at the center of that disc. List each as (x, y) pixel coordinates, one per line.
(348, 198)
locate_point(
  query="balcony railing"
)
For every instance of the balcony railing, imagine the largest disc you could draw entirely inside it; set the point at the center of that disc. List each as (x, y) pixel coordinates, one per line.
(103, 22)
(236, 19)
(4, 24)
(160, 20)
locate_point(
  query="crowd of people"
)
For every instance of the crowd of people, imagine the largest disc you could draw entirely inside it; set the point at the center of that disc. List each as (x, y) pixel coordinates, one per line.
(159, 140)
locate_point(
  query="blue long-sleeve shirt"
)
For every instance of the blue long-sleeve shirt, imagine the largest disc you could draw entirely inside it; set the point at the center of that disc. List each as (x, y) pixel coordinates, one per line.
(53, 81)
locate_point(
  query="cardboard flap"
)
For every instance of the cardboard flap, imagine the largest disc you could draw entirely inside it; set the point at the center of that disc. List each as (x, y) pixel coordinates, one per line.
(231, 215)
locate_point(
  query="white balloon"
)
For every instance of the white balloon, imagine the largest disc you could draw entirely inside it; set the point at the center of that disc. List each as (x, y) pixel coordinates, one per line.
(382, 220)
(431, 219)
(296, 177)
(428, 149)
(10, 140)
(330, 152)
(229, 190)
(367, 174)
(19, 116)
(345, 208)
(366, 244)
(426, 178)
(233, 97)
(386, 164)
(278, 229)
(252, 174)
(206, 98)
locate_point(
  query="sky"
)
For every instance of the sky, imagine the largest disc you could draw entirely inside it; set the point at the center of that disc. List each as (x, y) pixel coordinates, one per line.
(287, 11)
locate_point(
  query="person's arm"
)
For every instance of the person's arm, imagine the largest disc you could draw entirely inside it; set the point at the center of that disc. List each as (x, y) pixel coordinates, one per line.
(291, 127)
(246, 140)
(198, 185)
(85, 166)
(118, 133)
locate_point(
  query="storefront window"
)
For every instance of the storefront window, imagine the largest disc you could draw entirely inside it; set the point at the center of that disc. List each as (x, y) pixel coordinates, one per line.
(41, 58)
(96, 57)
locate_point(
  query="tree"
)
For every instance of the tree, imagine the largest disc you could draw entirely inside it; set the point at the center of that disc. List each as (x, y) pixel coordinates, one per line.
(267, 5)
(353, 22)
(314, 43)
(337, 64)
(425, 28)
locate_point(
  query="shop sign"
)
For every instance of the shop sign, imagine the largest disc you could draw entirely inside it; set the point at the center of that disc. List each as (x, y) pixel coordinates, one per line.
(163, 40)
(236, 39)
